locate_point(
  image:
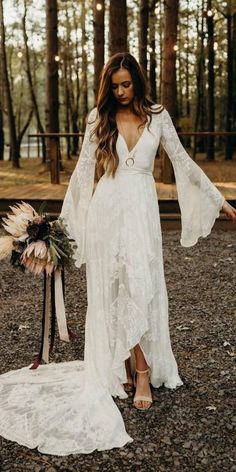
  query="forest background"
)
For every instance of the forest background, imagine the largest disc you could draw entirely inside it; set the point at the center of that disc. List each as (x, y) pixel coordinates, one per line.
(52, 53)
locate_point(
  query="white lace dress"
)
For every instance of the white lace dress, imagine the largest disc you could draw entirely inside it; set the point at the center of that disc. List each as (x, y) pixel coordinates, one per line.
(68, 407)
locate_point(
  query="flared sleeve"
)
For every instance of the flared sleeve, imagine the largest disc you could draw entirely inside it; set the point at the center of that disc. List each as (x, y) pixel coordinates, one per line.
(199, 200)
(79, 193)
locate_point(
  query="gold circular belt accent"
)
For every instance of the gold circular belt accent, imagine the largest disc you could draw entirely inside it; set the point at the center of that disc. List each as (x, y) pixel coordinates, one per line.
(131, 161)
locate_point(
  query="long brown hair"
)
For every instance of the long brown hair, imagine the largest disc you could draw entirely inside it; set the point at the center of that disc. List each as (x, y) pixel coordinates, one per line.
(106, 130)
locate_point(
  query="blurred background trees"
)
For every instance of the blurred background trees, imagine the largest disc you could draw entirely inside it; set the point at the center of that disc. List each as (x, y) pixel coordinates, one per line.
(53, 51)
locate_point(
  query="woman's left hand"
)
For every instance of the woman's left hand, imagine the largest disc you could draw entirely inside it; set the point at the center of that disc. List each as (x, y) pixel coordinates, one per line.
(229, 211)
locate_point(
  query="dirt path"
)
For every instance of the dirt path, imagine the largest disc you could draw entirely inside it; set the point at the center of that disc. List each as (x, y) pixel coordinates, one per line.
(190, 429)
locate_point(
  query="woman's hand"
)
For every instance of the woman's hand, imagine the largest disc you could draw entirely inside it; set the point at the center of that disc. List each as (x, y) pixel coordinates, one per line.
(229, 211)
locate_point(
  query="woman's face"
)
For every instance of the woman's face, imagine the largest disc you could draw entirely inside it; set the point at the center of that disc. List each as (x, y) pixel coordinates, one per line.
(122, 86)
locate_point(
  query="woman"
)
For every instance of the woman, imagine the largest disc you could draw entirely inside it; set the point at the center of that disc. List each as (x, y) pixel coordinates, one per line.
(68, 408)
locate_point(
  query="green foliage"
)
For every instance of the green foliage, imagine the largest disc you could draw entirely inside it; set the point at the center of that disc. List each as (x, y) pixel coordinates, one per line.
(191, 30)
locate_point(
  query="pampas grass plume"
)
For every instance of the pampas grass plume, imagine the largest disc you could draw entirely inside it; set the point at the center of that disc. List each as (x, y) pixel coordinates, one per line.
(6, 246)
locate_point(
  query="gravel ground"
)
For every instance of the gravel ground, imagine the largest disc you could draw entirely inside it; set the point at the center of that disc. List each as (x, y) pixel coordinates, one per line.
(190, 429)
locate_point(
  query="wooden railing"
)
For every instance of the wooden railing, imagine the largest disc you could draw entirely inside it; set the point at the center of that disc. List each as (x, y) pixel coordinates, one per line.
(53, 138)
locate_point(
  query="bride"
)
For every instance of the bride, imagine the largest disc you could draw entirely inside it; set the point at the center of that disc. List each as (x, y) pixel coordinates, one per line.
(68, 407)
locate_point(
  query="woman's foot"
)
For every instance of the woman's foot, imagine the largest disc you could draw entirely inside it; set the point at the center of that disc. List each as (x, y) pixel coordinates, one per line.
(129, 385)
(143, 395)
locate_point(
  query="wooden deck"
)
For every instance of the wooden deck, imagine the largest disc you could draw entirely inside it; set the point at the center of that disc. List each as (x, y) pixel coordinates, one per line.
(47, 191)
(54, 195)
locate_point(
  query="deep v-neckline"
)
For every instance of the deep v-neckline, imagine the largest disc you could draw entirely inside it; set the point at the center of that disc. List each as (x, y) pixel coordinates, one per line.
(137, 142)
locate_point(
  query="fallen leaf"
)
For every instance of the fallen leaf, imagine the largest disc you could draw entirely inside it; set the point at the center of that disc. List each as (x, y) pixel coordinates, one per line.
(183, 328)
(23, 327)
(231, 353)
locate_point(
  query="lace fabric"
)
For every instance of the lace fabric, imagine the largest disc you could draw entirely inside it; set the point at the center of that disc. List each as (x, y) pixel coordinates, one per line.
(67, 408)
(200, 201)
(79, 192)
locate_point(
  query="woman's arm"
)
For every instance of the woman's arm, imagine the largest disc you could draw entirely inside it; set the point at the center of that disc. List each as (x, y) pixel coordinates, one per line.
(79, 193)
(200, 201)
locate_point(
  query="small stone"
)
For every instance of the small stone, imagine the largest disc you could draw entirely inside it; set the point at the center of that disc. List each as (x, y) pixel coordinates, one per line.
(187, 444)
(230, 427)
(202, 453)
(224, 372)
(138, 450)
(152, 446)
(130, 455)
(166, 440)
(176, 440)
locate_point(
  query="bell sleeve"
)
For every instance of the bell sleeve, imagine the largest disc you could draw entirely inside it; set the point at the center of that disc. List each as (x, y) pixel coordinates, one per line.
(199, 200)
(79, 193)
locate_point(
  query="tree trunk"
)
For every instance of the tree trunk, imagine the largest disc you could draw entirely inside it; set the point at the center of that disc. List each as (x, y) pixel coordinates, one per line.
(187, 65)
(143, 33)
(200, 81)
(14, 148)
(180, 77)
(230, 84)
(84, 87)
(30, 82)
(67, 79)
(67, 103)
(152, 41)
(118, 26)
(168, 79)
(98, 38)
(74, 96)
(52, 92)
(1, 134)
(23, 130)
(234, 71)
(211, 81)
(161, 32)
(19, 105)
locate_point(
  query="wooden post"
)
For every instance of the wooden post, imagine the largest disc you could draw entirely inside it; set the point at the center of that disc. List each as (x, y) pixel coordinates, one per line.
(54, 159)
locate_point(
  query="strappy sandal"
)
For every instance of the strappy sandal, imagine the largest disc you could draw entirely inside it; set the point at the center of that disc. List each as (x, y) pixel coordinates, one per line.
(144, 398)
(129, 386)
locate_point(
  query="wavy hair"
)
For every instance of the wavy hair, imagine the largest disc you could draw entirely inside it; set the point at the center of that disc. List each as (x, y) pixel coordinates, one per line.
(106, 130)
